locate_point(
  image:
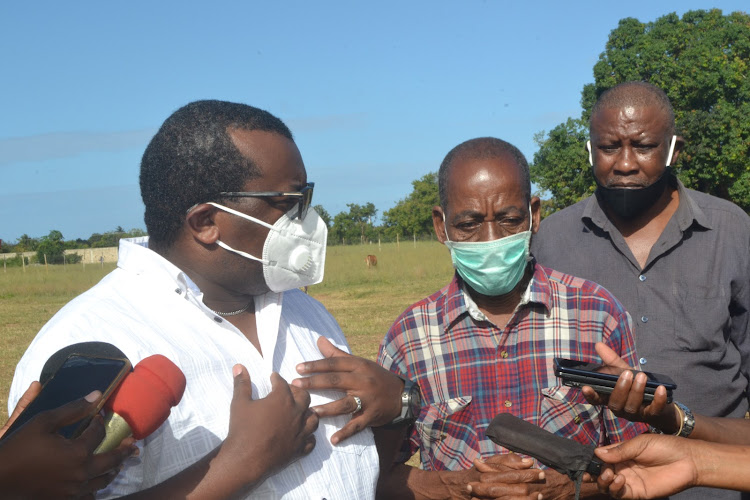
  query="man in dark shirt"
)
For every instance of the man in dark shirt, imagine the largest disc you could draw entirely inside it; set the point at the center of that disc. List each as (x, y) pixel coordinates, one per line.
(679, 260)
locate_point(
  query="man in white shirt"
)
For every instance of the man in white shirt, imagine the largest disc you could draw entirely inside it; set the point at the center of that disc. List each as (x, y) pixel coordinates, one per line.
(231, 238)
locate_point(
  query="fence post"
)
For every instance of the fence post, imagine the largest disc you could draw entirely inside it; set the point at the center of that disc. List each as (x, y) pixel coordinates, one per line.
(45, 263)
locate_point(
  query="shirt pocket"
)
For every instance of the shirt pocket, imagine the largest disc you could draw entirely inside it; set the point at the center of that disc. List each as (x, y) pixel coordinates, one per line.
(701, 316)
(447, 434)
(565, 412)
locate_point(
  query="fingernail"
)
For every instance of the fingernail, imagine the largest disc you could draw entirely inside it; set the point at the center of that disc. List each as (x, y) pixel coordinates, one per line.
(603, 450)
(301, 368)
(335, 440)
(526, 460)
(297, 382)
(541, 475)
(468, 488)
(236, 370)
(93, 396)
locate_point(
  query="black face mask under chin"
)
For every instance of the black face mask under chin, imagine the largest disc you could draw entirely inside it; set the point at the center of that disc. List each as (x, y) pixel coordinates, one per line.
(628, 203)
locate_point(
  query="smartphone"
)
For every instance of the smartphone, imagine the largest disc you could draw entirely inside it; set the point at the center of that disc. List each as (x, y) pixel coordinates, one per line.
(602, 378)
(77, 376)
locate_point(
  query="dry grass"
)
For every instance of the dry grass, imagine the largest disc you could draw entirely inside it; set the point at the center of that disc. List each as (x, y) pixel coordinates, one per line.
(364, 301)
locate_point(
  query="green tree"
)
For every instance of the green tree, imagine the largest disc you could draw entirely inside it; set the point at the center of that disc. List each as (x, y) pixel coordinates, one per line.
(324, 215)
(26, 244)
(413, 214)
(354, 226)
(701, 62)
(52, 247)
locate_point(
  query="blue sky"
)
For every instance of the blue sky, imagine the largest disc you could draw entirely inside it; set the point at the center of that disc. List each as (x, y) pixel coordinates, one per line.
(376, 94)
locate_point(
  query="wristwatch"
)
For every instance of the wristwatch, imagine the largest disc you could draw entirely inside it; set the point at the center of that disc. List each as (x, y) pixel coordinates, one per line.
(411, 404)
(687, 423)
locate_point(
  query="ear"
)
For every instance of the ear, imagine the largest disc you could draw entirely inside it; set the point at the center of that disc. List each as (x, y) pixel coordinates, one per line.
(536, 213)
(200, 223)
(679, 143)
(438, 223)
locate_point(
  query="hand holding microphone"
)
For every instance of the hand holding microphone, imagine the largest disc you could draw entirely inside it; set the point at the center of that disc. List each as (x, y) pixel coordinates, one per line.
(37, 462)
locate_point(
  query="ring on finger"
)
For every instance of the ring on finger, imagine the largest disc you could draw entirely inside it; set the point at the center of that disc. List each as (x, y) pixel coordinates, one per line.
(359, 404)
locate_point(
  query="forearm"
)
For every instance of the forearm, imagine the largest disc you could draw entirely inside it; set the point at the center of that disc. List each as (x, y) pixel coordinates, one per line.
(721, 465)
(722, 430)
(212, 477)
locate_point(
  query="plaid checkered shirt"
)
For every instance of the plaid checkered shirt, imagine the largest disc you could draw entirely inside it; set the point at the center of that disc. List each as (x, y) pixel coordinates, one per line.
(469, 369)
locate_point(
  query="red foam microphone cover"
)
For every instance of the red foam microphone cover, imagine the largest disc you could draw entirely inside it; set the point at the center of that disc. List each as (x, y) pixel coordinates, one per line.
(146, 396)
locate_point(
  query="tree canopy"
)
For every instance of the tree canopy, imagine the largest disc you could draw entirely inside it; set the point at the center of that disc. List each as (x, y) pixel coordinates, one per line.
(701, 62)
(413, 214)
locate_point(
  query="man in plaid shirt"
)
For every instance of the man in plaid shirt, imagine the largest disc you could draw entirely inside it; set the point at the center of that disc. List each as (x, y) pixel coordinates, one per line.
(484, 344)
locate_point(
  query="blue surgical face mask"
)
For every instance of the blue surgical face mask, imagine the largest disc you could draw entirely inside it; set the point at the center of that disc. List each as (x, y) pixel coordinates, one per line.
(491, 268)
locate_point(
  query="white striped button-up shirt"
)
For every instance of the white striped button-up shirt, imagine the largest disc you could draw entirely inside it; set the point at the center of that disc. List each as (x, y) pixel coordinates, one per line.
(148, 306)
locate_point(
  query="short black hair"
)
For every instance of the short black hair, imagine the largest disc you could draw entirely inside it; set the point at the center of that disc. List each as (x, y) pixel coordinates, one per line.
(482, 148)
(635, 93)
(192, 158)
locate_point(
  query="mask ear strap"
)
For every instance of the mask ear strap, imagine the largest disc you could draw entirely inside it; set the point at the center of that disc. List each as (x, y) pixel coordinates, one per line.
(240, 252)
(240, 214)
(671, 150)
(591, 157)
(445, 229)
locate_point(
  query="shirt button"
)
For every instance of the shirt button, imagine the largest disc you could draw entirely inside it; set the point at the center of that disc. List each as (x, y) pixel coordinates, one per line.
(508, 404)
(504, 354)
(177, 291)
(577, 419)
(642, 277)
(643, 361)
(644, 319)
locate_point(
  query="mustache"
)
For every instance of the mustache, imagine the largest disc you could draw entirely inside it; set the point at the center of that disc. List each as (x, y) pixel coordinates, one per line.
(620, 183)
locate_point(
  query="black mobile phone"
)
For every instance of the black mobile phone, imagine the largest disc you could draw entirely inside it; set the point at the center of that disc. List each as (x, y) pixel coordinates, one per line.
(77, 376)
(602, 378)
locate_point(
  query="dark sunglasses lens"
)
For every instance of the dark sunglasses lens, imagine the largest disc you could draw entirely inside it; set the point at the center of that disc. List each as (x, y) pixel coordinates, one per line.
(304, 202)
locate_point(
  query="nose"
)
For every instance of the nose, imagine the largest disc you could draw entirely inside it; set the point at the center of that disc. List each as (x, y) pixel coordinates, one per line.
(626, 162)
(491, 231)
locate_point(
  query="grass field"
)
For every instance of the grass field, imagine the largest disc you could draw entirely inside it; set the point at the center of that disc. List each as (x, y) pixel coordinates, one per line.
(364, 301)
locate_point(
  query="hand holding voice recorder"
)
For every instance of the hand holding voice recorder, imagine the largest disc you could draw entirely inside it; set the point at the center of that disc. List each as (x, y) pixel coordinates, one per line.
(603, 378)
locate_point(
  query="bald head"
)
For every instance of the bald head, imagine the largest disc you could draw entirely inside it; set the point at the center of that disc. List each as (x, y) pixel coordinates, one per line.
(637, 95)
(482, 148)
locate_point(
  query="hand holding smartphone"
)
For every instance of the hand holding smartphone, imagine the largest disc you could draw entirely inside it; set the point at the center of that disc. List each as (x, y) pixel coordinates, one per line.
(78, 376)
(603, 378)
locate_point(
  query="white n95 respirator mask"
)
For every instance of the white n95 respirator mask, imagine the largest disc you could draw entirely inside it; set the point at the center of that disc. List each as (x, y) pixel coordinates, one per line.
(294, 253)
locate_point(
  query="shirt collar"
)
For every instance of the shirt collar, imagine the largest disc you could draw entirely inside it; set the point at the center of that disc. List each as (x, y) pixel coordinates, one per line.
(135, 257)
(458, 301)
(688, 211)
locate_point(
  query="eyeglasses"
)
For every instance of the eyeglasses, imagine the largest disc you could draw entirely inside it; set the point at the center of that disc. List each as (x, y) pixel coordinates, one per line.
(305, 197)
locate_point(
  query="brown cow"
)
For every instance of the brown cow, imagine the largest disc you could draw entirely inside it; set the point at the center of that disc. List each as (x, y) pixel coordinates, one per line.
(371, 261)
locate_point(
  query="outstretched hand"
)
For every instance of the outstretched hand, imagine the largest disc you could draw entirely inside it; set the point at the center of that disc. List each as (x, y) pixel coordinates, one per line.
(648, 466)
(626, 400)
(378, 389)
